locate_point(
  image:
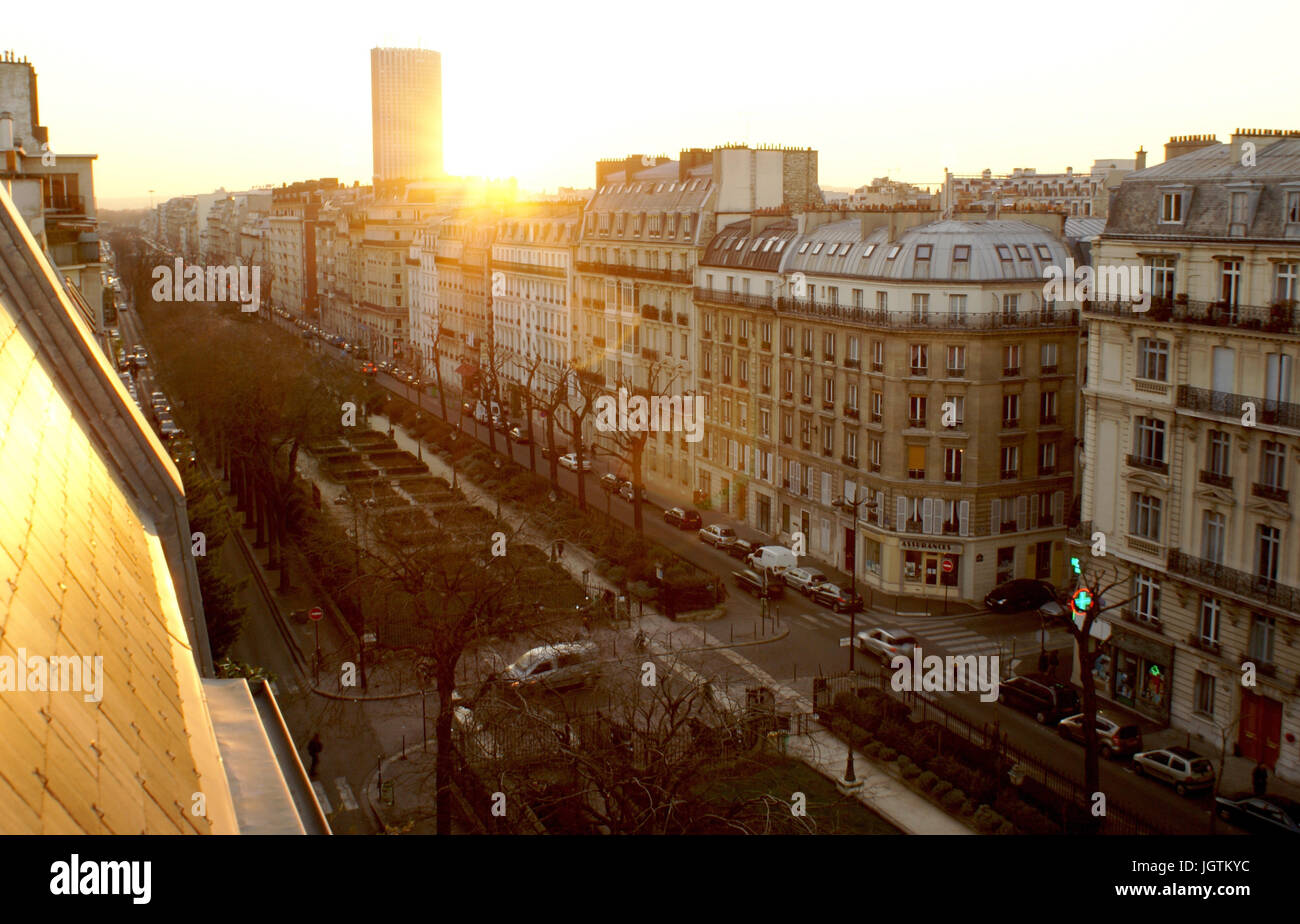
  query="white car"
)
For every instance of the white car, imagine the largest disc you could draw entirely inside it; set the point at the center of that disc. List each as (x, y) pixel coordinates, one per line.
(886, 644)
(720, 537)
(571, 462)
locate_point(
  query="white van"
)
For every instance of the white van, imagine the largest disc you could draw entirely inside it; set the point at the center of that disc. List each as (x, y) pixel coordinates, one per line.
(774, 559)
(554, 667)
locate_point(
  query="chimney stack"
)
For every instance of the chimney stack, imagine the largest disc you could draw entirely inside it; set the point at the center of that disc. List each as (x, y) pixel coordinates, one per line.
(6, 131)
(1186, 144)
(1140, 160)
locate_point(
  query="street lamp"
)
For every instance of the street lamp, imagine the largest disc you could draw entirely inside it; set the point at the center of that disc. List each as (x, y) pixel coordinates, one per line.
(850, 778)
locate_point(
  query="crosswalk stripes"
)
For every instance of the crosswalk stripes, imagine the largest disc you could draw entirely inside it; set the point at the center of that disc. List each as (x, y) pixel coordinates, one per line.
(347, 801)
(321, 797)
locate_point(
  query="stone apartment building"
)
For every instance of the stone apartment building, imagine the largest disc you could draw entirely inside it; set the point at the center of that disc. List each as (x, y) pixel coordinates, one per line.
(1192, 443)
(1079, 195)
(642, 235)
(290, 245)
(893, 358)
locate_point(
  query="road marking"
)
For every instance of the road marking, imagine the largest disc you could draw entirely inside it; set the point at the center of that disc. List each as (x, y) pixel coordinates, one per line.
(346, 799)
(323, 799)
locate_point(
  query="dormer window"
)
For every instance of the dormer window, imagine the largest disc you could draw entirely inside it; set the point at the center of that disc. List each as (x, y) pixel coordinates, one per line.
(1004, 253)
(894, 251)
(866, 253)
(1044, 253)
(961, 253)
(804, 246)
(1171, 208)
(1292, 207)
(1022, 252)
(923, 251)
(817, 248)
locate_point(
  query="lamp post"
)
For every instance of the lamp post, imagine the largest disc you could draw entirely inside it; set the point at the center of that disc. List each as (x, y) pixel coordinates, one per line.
(850, 778)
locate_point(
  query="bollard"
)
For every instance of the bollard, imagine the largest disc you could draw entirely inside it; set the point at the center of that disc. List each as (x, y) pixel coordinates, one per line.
(403, 747)
(379, 762)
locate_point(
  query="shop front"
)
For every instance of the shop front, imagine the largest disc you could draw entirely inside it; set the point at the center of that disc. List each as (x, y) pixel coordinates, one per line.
(924, 569)
(1137, 673)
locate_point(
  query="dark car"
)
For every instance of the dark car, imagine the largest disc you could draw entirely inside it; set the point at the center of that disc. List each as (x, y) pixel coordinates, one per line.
(549, 452)
(1260, 814)
(1019, 595)
(683, 519)
(740, 548)
(1114, 739)
(752, 583)
(610, 482)
(519, 436)
(839, 599)
(1045, 699)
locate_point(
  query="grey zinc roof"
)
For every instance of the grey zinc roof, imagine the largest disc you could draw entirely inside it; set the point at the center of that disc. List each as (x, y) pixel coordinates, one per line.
(653, 188)
(734, 246)
(1208, 176)
(844, 252)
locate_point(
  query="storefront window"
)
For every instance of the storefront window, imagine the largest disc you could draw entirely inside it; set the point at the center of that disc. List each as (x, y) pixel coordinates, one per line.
(912, 566)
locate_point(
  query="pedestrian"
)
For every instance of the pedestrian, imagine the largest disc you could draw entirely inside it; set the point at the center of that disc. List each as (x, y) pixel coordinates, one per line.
(1259, 779)
(1042, 662)
(1054, 661)
(314, 748)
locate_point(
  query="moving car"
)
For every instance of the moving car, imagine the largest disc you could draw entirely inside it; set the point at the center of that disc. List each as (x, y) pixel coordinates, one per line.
(1045, 699)
(1260, 814)
(837, 598)
(683, 519)
(369, 368)
(553, 667)
(886, 644)
(167, 428)
(610, 482)
(718, 536)
(741, 549)
(803, 580)
(182, 451)
(1114, 739)
(570, 462)
(1184, 768)
(518, 435)
(752, 582)
(1019, 595)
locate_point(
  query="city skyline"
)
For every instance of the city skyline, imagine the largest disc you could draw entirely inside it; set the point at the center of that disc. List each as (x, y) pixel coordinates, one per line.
(585, 100)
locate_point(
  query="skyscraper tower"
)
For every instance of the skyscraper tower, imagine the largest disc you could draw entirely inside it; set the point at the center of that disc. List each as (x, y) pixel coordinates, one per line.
(406, 113)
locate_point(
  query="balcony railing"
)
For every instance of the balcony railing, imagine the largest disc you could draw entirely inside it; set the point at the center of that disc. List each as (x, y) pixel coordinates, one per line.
(1151, 465)
(1274, 319)
(1241, 583)
(1010, 423)
(637, 272)
(558, 272)
(1226, 404)
(1214, 478)
(1269, 492)
(651, 355)
(851, 461)
(957, 373)
(1011, 372)
(1080, 532)
(901, 320)
(683, 320)
(851, 412)
(920, 370)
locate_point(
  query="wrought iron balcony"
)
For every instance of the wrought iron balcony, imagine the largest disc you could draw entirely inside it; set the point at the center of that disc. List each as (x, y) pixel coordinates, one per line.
(1151, 465)
(1226, 404)
(1241, 583)
(1269, 492)
(637, 272)
(1281, 318)
(1214, 478)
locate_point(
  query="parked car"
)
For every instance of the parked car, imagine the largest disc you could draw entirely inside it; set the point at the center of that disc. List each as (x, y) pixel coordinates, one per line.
(683, 519)
(610, 482)
(625, 492)
(553, 667)
(886, 644)
(519, 435)
(167, 428)
(182, 451)
(1260, 814)
(775, 559)
(570, 461)
(1184, 768)
(752, 583)
(1115, 740)
(837, 598)
(548, 451)
(369, 368)
(500, 422)
(1019, 595)
(741, 549)
(1045, 699)
(803, 580)
(718, 536)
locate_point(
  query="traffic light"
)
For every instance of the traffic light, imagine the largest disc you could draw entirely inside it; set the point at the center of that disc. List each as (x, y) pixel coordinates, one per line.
(1081, 602)
(1076, 565)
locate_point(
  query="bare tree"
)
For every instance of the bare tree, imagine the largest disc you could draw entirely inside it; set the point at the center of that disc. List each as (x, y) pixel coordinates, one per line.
(580, 391)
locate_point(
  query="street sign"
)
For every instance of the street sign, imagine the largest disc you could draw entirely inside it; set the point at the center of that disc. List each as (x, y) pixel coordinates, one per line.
(315, 612)
(947, 565)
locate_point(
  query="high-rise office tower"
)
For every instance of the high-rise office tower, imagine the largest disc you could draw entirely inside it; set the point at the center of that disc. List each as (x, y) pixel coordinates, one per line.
(406, 113)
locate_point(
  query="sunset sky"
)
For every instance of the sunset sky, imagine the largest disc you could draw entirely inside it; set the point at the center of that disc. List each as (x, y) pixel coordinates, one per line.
(185, 98)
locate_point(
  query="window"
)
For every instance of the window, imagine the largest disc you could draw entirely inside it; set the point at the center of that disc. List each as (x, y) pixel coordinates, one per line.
(828, 440)
(1022, 252)
(1285, 289)
(787, 339)
(1219, 453)
(1011, 359)
(1161, 270)
(1171, 207)
(1044, 252)
(882, 301)
(957, 306)
(894, 251)
(916, 405)
(807, 385)
(1150, 441)
(956, 361)
(1292, 207)
(1204, 704)
(920, 307)
(1144, 519)
(1277, 379)
(961, 253)
(828, 390)
(916, 462)
(1046, 458)
(804, 246)
(1146, 602)
(1046, 502)
(958, 403)
(1153, 360)
(828, 346)
(923, 251)
(1263, 630)
(1047, 408)
(877, 406)
(1272, 465)
(1208, 627)
(1010, 306)
(952, 459)
(1004, 252)
(851, 397)
(873, 453)
(1268, 552)
(877, 356)
(1230, 282)
(1010, 462)
(853, 356)
(1047, 358)
(1011, 410)
(857, 298)
(764, 422)
(919, 354)
(1214, 528)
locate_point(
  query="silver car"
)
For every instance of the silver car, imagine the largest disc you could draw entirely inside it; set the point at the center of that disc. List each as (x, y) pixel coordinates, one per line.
(554, 667)
(1185, 769)
(804, 580)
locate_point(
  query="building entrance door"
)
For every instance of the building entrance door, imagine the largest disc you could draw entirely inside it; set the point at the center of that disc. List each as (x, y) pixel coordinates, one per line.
(1261, 728)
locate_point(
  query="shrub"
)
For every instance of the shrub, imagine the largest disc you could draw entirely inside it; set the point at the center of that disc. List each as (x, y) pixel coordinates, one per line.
(941, 788)
(873, 749)
(968, 807)
(1005, 828)
(953, 800)
(986, 820)
(887, 753)
(909, 770)
(926, 781)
